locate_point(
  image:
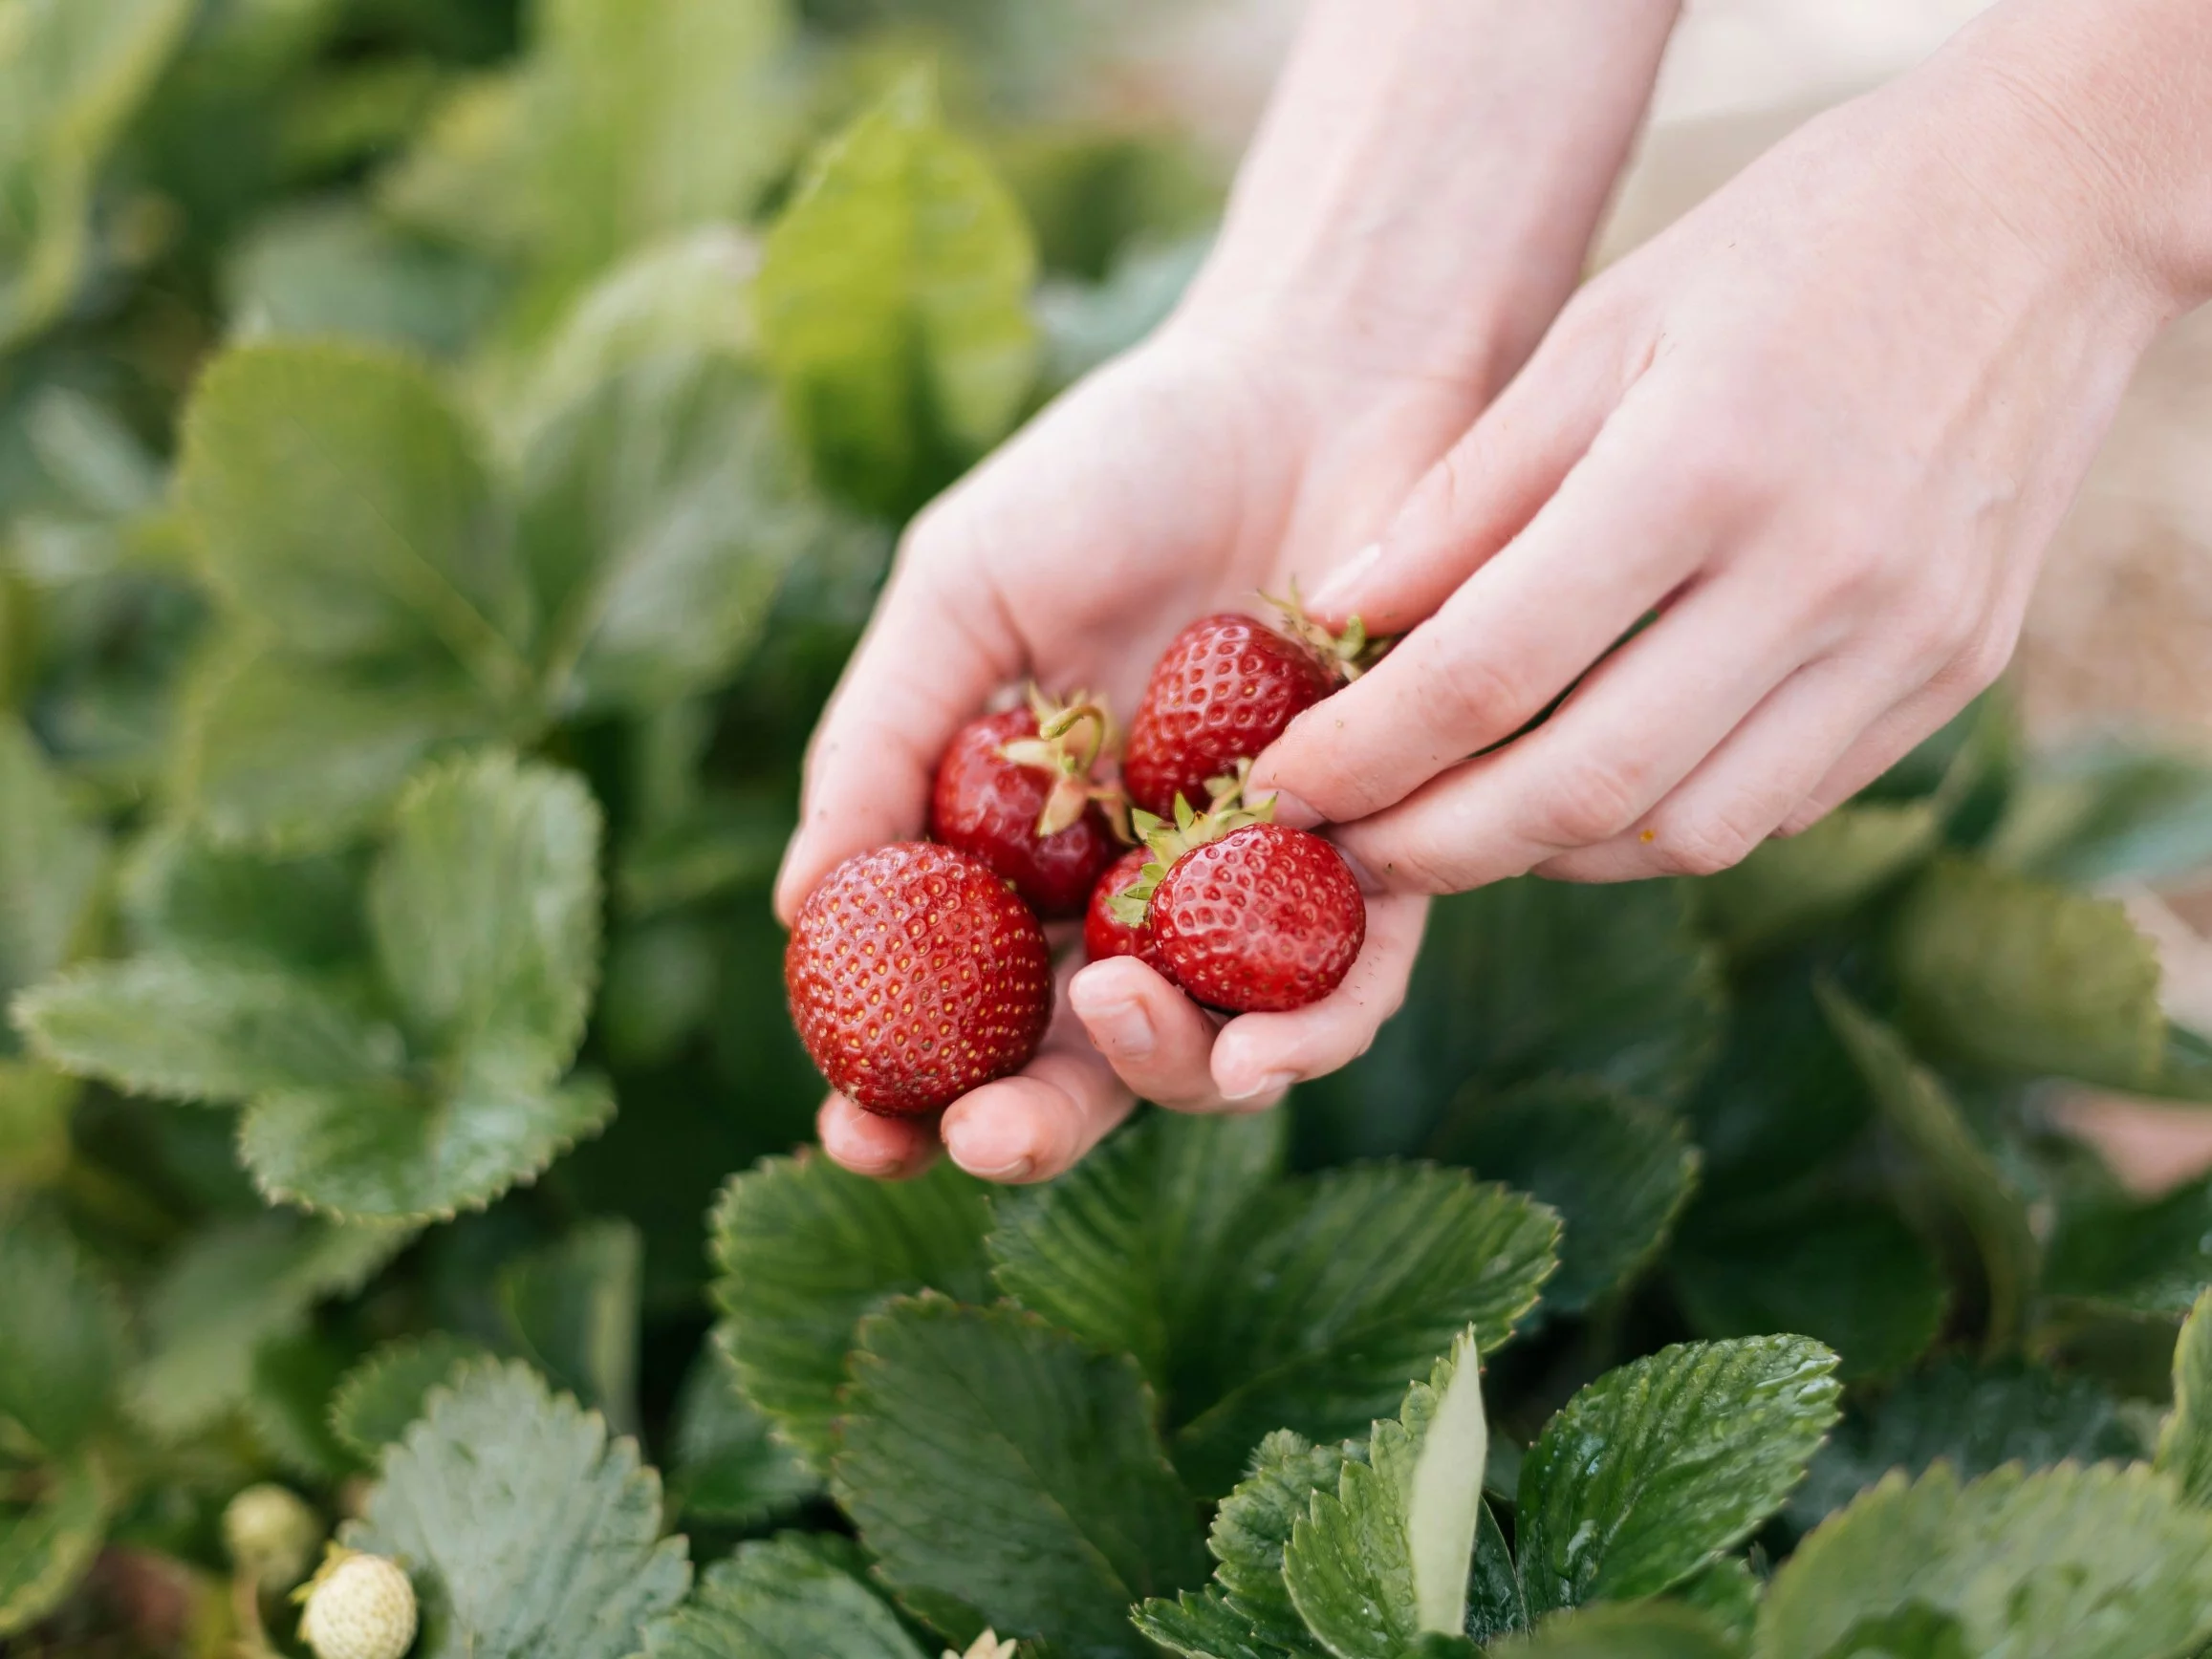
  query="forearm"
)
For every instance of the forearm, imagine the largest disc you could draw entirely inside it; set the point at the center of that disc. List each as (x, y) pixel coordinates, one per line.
(2120, 91)
(1429, 173)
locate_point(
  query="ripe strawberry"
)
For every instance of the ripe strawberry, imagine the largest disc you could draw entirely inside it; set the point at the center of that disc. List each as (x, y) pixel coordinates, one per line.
(916, 975)
(1015, 789)
(1243, 913)
(1106, 934)
(1223, 691)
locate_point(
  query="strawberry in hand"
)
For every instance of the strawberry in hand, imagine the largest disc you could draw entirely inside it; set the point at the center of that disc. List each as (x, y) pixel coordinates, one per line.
(1015, 789)
(1224, 689)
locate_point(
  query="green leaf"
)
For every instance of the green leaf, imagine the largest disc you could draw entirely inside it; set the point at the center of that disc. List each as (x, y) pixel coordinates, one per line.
(397, 1155)
(1972, 1418)
(805, 1249)
(1663, 1464)
(1125, 1249)
(1790, 886)
(35, 1104)
(288, 1406)
(990, 1457)
(1497, 1604)
(2019, 977)
(2105, 811)
(71, 77)
(46, 1545)
(620, 127)
(1922, 1113)
(1526, 979)
(201, 1030)
(659, 516)
(62, 1342)
(1617, 1172)
(230, 1290)
(185, 896)
(1728, 1591)
(486, 912)
(1650, 1630)
(1252, 1528)
(1385, 1558)
(2186, 1442)
(1200, 1625)
(51, 857)
(529, 1532)
(781, 1599)
(293, 754)
(1848, 1274)
(338, 498)
(893, 303)
(1781, 1098)
(2130, 1257)
(1350, 1282)
(2070, 1561)
(337, 269)
(572, 1308)
(374, 1403)
(727, 1467)
(683, 296)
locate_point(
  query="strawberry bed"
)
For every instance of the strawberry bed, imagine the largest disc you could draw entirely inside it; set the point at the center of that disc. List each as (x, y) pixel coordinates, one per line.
(444, 459)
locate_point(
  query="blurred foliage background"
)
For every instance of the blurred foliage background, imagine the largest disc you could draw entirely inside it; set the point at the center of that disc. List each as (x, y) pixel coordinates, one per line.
(607, 310)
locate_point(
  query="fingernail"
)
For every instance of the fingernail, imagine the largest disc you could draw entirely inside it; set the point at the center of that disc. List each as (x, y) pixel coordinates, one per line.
(1344, 581)
(1118, 1025)
(1294, 812)
(1273, 1082)
(989, 1152)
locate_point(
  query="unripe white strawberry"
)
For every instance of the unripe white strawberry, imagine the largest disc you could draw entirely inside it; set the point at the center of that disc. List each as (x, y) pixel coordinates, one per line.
(358, 1606)
(270, 1534)
(987, 1646)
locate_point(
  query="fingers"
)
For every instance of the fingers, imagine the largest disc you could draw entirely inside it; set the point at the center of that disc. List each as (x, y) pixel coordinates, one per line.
(1742, 792)
(1635, 729)
(1893, 736)
(1036, 1124)
(1157, 1041)
(1259, 1056)
(890, 1148)
(1488, 486)
(929, 661)
(1627, 528)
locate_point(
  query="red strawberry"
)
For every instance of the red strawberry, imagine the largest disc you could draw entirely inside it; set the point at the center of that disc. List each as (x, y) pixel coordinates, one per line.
(1265, 918)
(1015, 790)
(915, 975)
(1105, 933)
(1243, 913)
(1223, 691)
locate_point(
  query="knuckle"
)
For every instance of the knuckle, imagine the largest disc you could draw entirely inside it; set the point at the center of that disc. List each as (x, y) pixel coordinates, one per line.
(1590, 803)
(1701, 848)
(1475, 698)
(1978, 663)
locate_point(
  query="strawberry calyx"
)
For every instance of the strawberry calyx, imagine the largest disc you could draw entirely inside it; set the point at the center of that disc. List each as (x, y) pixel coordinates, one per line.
(1167, 841)
(1346, 655)
(1071, 737)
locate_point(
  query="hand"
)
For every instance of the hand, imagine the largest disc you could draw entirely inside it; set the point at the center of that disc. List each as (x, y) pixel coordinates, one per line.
(1824, 428)
(1182, 479)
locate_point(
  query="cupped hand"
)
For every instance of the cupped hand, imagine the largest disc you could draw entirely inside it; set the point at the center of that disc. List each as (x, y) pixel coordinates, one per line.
(1185, 478)
(1822, 429)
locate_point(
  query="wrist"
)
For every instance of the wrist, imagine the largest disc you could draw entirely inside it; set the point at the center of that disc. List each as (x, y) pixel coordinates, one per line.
(1422, 192)
(2103, 102)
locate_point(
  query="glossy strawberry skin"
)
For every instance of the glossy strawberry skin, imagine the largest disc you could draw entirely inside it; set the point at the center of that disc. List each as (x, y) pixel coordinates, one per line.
(1105, 933)
(1264, 919)
(915, 975)
(987, 805)
(1223, 691)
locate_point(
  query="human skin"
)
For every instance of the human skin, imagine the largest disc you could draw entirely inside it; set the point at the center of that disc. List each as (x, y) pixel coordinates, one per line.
(1825, 426)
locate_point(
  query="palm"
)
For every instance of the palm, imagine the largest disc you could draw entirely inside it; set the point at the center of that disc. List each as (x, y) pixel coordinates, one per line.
(1170, 486)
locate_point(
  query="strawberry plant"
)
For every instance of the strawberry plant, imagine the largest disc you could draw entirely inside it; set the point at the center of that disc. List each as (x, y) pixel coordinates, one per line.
(445, 455)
